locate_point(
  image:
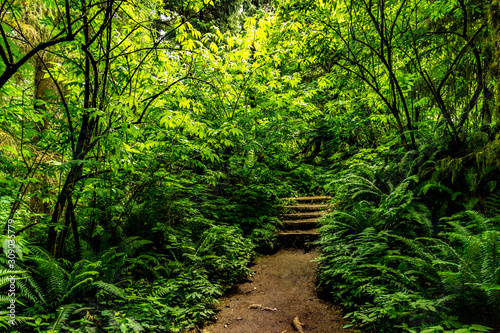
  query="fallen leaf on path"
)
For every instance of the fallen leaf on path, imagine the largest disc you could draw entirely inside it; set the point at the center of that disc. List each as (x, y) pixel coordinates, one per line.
(297, 325)
(265, 308)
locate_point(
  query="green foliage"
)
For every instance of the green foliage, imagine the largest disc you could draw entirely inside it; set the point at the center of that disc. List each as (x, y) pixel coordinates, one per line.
(367, 199)
(177, 293)
(168, 304)
(384, 258)
(48, 285)
(137, 288)
(224, 253)
(144, 152)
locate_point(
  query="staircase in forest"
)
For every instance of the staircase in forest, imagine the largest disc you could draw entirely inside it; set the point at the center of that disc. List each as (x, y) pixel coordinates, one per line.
(300, 220)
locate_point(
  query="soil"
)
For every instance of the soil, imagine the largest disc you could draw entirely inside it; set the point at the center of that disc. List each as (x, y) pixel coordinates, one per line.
(282, 288)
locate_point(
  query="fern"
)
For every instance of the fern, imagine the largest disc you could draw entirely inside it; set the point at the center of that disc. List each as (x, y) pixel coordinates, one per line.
(30, 289)
(135, 326)
(119, 260)
(109, 288)
(4, 320)
(26, 286)
(63, 315)
(476, 263)
(131, 245)
(51, 275)
(372, 202)
(493, 205)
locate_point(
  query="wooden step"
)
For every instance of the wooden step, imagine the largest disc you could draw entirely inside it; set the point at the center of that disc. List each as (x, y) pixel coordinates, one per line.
(298, 236)
(300, 224)
(303, 200)
(300, 221)
(303, 215)
(305, 208)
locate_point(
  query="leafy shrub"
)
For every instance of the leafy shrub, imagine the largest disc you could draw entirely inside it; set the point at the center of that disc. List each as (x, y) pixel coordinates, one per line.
(166, 305)
(381, 258)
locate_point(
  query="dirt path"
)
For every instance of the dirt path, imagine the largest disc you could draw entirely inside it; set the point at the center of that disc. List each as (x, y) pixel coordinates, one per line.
(283, 288)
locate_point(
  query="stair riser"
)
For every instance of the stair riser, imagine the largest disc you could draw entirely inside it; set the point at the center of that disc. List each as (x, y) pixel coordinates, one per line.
(299, 241)
(311, 201)
(300, 208)
(299, 226)
(302, 216)
(288, 236)
(308, 200)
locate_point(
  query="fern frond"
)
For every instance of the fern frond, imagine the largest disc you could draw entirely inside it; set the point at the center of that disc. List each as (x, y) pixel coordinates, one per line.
(19, 319)
(32, 291)
(76, 286)
(493, 204)
(131, 244)
(110, 288)
(162, 291)
(136, 326)
(64, 313)
(417, 247)
(84, 276)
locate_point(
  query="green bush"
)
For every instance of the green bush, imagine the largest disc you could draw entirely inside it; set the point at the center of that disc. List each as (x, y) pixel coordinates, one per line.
(384, 259)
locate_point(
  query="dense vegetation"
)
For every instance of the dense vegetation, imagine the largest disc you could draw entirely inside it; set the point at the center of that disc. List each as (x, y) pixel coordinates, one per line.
(144, 145)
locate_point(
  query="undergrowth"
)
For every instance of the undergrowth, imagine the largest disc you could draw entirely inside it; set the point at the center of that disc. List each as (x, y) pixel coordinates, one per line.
(164, 280)
(398, 265)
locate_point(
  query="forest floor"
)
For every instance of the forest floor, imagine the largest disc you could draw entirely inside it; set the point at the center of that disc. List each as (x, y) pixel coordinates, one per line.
(282, 288)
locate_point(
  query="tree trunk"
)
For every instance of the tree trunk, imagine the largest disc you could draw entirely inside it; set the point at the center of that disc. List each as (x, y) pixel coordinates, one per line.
(494, 44)
(63, 198)
(44, 90)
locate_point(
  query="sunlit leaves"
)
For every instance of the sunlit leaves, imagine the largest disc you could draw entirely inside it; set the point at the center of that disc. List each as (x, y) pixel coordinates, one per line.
(213, 47)
(439, 9)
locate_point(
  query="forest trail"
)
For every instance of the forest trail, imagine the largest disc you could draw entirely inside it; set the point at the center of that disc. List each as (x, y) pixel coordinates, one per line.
(281, 297)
